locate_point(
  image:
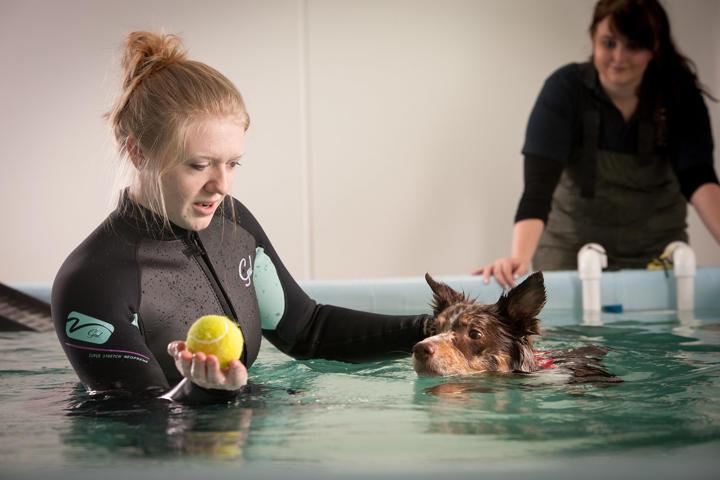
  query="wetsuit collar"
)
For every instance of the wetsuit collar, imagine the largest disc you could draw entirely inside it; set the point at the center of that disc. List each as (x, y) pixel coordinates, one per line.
(145, 221)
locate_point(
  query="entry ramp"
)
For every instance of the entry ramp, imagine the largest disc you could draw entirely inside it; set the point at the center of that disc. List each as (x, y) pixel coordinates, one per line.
(19, 311)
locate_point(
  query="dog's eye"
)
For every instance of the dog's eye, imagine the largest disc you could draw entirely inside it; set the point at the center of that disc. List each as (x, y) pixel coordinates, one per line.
(475, 334)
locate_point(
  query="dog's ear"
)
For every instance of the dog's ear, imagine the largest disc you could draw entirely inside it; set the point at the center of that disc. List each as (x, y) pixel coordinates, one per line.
(444, 296)
(520, 307)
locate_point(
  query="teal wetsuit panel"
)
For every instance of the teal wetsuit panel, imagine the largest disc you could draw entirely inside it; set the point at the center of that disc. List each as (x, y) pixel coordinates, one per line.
(268, 290)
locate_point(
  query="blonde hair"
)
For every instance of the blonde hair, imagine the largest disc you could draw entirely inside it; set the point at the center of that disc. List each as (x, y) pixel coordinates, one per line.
(164, 96)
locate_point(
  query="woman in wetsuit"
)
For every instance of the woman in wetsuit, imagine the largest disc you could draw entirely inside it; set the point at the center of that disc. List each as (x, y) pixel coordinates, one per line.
(614, 150)
(179, 247)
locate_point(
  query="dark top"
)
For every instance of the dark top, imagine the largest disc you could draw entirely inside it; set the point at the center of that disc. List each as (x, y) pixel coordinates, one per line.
(554, 133)
(130, 288)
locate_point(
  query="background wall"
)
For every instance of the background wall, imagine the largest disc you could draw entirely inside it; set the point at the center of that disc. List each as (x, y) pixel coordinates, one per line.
(385, 136)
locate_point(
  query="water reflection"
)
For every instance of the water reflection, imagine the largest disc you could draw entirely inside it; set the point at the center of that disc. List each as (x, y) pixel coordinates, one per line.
(592, 319)
(120, 426)
(473, 405)
(688, 324)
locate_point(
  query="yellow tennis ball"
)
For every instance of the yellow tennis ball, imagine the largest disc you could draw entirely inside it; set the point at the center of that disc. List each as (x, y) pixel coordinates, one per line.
(216, 335)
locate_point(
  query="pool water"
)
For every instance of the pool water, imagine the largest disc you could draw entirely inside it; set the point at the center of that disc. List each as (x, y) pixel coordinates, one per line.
(321, 419)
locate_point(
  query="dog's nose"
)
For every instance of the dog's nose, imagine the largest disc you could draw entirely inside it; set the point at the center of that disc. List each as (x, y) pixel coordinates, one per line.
(422, 349)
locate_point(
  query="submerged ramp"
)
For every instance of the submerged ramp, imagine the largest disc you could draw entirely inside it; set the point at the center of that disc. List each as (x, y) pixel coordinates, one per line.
(19, 311)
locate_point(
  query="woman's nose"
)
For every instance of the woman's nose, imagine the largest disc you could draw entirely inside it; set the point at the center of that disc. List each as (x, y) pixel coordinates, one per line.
(220, 181)
(620, 51)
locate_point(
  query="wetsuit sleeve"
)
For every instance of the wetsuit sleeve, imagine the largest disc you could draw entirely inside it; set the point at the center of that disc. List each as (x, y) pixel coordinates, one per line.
(304, 329)
(541, 177)
(94, 319)
(691, 144)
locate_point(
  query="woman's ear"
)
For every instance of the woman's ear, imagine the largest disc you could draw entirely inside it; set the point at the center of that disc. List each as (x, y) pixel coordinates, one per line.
(135, 152)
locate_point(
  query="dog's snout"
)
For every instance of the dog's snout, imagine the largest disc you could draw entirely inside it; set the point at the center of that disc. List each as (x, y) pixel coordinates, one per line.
(423, 349)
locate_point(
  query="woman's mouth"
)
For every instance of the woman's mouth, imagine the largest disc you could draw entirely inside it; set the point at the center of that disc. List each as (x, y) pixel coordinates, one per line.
(204, 208)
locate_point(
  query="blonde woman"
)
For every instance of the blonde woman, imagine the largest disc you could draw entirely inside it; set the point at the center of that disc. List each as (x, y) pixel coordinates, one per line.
(179, 247)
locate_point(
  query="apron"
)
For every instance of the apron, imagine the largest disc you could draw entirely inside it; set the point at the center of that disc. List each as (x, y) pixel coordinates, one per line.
(631, 204)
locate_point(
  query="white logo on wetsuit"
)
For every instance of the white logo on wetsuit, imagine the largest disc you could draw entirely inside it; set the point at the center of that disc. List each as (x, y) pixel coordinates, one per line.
(247, 267)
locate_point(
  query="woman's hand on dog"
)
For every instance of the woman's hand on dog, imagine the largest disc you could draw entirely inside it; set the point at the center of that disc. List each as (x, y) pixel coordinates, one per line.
(505, 271)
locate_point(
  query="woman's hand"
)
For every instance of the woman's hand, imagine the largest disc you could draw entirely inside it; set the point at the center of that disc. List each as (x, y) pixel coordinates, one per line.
(204, 370)
(505, 270)
(526, 235)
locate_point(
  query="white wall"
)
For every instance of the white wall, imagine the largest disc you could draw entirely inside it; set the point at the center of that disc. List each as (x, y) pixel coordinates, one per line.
(385, 136)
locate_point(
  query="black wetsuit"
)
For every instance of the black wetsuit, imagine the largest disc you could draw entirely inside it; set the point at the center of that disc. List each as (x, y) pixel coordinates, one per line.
(132, 287)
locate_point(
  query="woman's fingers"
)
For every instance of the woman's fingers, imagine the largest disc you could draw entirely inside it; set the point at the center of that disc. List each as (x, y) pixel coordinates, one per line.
(501, 269)
(176, 348)
(204, 370)
(487, 273)
(172, 348)
(237, 374)
(183, 358)
(504, 273)
(198, 369)
(521, 269)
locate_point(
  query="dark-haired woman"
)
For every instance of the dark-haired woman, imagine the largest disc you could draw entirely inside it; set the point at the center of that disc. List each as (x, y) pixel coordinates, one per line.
(178, 247)
(614, 150)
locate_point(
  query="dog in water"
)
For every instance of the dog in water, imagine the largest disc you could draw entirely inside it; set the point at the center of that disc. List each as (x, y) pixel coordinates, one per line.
(470, 337)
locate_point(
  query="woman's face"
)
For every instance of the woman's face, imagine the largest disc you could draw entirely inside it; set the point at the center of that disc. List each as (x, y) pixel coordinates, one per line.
(193, 189)
(620, 62)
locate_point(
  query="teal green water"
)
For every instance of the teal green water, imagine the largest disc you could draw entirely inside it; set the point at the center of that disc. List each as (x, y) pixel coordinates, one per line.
(319, 418)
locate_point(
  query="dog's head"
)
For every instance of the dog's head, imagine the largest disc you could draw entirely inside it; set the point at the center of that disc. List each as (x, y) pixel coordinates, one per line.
(470, 337)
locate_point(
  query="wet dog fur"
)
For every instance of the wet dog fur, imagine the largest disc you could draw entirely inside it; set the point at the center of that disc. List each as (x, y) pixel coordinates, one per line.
(471, 337)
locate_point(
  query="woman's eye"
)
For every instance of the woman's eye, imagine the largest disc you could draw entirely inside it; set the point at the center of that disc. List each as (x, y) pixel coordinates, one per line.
(608, 43)
(199, 166)
(234, 164)
(475, 334)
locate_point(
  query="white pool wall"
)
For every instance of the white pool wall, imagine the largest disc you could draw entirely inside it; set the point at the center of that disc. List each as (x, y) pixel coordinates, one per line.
(635, 290)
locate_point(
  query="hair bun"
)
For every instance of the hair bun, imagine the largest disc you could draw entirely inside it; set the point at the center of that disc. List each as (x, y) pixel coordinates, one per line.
(146, 52)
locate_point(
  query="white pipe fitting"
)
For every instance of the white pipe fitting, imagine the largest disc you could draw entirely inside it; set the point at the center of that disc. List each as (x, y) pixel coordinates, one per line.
(591, 260)
(685, 267)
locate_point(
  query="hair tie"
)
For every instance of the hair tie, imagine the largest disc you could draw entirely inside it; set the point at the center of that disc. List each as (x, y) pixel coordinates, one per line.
(142, 69)
(147, 64)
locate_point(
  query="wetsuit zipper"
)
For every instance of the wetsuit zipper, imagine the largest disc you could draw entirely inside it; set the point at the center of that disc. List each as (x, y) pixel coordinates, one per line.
(197, 251)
